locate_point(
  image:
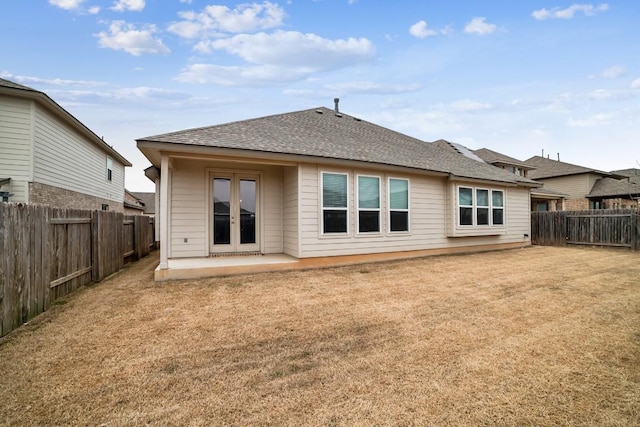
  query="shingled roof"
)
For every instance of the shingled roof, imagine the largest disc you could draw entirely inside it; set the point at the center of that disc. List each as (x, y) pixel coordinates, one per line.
(494, 158)
(548, 168)
(323, 133)
(610, 187)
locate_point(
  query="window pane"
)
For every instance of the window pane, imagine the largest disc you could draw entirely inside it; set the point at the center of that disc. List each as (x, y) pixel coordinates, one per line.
(368, 221)
(482, 197)
(465, 196)
(334, 190)
(483, 216)
(247, 211)
(368, 192)
(497, 198)
(335, 221)
(399, 221)
(498, 216)
(221, 211)
(466, 216)
(399, 194)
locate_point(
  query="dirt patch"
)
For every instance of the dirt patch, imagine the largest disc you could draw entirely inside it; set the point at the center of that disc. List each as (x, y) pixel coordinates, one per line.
(541, 336)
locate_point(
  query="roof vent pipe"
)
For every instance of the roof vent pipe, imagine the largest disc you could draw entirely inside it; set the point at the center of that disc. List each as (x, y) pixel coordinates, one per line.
(336, 101)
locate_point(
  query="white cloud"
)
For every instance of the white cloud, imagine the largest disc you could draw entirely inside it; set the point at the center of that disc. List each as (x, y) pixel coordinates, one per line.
(239, 75)
(568, 13)
(67, 4)
(293, 49)
(636, 84)
(372, 88)
(94, 10)
(613, 72)
(186, 1)
(215, 20)
(465, 105)
(596, 120)
(125, 5)
(421, 31)
(479, 26)
(126, 37)
(57, 81)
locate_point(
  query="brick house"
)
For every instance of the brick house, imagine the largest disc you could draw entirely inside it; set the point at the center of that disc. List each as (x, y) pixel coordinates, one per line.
(48, 156)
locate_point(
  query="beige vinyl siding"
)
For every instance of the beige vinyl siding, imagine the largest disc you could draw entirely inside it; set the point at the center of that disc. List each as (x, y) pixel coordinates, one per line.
(272, 214)
(290, 213)
(574, 186)
(15, 146)
(65, 159)
(188, 219)
(428, 213)
(190, 210)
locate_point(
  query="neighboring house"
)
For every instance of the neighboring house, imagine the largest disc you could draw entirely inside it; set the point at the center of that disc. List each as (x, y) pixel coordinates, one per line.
(318, 183)
(132, 204)
(48, 156)
(148, 200)
(614, 193)
(542, 199)
(576, 182)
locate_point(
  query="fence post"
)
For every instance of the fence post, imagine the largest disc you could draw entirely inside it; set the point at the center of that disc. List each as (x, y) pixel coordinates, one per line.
(95, 246)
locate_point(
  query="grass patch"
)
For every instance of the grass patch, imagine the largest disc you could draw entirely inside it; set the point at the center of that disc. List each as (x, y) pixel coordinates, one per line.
(542, 336)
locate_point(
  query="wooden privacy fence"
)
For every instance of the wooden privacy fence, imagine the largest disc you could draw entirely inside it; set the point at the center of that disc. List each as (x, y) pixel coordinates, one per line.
(611, 227)
(46, 253)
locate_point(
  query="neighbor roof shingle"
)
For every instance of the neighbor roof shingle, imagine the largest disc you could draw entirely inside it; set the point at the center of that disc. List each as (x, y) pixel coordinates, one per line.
(548, 168)
(322, 133)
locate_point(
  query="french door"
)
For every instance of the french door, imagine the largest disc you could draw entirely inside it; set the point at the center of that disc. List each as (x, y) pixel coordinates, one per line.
(235, 202)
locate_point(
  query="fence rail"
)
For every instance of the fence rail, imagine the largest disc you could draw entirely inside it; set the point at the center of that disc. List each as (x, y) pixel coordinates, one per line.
(613, 227)
(46, 253)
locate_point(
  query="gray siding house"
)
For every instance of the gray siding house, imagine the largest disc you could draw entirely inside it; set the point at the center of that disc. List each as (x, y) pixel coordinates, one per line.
(48, 156)
(320, 187)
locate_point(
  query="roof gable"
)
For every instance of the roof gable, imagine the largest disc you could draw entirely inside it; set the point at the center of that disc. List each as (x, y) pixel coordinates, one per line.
(323, 133)
(494, 157)
(548, 168)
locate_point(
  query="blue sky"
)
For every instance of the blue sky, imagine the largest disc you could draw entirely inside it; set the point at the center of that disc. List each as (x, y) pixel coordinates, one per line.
(516, 77)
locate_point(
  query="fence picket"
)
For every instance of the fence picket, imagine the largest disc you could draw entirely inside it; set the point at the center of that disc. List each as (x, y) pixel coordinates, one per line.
(48, 253)
(614, 227)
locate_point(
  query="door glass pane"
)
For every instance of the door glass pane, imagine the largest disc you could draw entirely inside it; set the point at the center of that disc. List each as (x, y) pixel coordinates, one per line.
(247, 211)
(221, 211)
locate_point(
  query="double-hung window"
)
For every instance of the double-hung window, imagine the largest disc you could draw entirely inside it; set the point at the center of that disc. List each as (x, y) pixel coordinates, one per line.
(368, 204)
(398, 204)
(335, 208)
(465, 205)
(109, 169)
(480, 207)
(497, 207)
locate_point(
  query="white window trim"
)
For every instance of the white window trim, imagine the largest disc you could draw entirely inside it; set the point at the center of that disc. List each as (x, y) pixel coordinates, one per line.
(322, 208)
(358, 209)
(492, 208)
(109, 167)
(408, 210)
(474, 207)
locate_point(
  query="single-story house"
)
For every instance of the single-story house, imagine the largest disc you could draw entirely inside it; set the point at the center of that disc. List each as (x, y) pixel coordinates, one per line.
(320, 187)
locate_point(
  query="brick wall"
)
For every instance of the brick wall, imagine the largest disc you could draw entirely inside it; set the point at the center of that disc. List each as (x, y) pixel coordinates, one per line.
(576, 204)
(61, 198)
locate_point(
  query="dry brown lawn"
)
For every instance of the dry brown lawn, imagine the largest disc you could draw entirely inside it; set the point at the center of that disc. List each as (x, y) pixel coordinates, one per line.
(538, 336)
